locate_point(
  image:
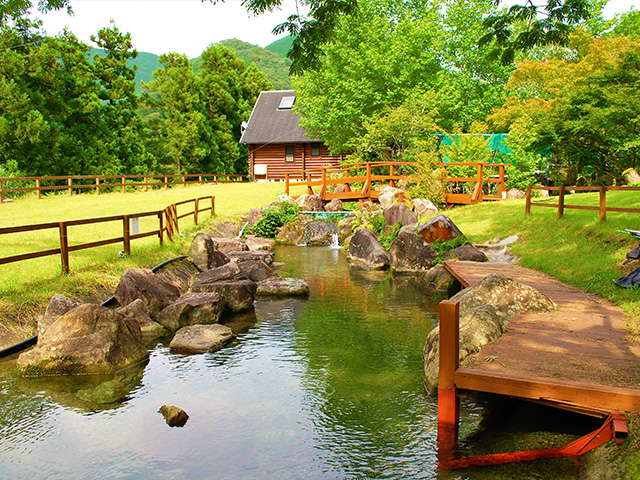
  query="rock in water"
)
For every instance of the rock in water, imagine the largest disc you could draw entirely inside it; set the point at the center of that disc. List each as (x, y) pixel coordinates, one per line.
(174, 416)
(58, 306)
(439, 228)
(144, 284)
(365, 250)
(318, 234)
(276, 286)
(191, 309)
(87, 339)
(231, 283)
(201, 338)
(410, 253)
(137, 311)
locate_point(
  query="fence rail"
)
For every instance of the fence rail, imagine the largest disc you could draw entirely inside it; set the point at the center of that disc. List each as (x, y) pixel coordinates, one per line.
(121, 182)
(343, 175)
(168, 222)
(561, 206)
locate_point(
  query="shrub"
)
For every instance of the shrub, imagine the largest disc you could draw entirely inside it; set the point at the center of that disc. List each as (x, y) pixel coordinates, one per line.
(274, 218)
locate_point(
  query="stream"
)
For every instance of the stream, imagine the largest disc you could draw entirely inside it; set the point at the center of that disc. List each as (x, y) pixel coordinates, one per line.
(328, 387)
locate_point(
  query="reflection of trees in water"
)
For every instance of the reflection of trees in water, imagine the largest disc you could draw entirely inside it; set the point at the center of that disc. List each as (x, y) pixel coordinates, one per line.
(362, 334)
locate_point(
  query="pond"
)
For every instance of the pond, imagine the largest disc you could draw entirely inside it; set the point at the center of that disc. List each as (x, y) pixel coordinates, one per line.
(328, 387)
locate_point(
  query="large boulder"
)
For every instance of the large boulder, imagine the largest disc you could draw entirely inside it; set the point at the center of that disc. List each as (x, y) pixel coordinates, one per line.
(345, 228)
(467, 253)
(142, 283)
(192, 309)
(231, 283)
(252, 256)
(424, 207)
(224, 230)
(365, 250)
(58, 306)
(259, 243)
(292, 231)
(334, 205)
(254, 215)
(318, 234)
(201, 338)
(410, 253)
(229, 245)
(514, 193)
(87, 339)
(385, 197)
(439, 228)
(276, 286)
(204, 253)
(256, 270)
(137, 311)
(485, 310)
(399, 212)
(310, 203)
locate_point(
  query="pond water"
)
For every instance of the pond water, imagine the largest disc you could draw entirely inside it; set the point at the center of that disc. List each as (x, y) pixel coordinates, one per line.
(329, 387)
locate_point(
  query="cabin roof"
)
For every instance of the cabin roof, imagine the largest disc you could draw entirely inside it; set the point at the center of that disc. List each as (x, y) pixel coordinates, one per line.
(274, 121)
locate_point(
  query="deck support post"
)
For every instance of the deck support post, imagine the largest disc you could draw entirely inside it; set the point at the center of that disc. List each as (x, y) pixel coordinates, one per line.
(448, 401)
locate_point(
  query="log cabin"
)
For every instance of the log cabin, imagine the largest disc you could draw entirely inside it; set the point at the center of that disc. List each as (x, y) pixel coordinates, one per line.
(277, 143)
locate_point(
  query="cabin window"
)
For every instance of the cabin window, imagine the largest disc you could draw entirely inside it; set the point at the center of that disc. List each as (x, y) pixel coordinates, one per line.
(315, 149)
(286, 103)
(289, 153)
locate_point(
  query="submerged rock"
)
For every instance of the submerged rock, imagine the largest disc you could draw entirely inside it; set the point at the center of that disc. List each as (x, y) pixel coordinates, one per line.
(174, 416)
(443, 281)
(366, 250)
(86, 339)
(276, 286)
(201, 338)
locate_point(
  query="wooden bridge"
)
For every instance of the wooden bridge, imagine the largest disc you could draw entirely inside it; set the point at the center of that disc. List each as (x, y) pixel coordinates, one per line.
(580, 358)
(358, 181)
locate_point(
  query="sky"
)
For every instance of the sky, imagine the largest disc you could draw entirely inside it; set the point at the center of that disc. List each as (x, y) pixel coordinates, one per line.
(189, 26)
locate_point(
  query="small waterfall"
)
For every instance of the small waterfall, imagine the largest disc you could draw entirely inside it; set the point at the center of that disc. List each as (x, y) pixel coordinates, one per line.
(335, 244)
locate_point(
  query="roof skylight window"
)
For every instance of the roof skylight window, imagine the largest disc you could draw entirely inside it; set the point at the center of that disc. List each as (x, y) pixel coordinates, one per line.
(286, 103)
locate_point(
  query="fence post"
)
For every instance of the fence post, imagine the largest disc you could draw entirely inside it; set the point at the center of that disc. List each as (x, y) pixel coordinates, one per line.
(123, 184)
(561, 202)
(169, 224)
(69, 183)
(213, 203)
(184, 182)
(1, 192)
(97, 186)
(195, 211)
(501, 188)
(286, 183)
(200, 179)
(166, 182)
(527, 205)
(126, 232)
(160, 228)
(146, 184)
(392, 173)
(174, 209)
(367, 184)
(64, 247)
(603, 203)
(38, 192)
(347, 187)
(448, 401)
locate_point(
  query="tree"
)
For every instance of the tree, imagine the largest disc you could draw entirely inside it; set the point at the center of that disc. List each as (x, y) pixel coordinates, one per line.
(12, 10)
(586, 108)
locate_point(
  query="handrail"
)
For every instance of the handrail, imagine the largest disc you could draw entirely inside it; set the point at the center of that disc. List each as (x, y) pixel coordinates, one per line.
(561, 206)
(320, 177)
(168, 221)
(97, 185)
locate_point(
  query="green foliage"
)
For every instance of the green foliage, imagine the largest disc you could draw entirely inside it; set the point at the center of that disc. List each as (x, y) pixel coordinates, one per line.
(386, 236)
(443, 247)
(274, 218)
(281, 47)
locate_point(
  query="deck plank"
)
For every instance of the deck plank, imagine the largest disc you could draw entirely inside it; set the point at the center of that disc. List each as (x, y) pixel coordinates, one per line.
(586, 342)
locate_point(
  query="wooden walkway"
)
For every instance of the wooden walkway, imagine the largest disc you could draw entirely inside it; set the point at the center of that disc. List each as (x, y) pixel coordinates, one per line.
(580, 357)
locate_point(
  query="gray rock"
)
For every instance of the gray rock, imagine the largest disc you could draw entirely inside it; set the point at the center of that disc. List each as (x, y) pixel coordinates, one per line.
(310, 203)
(485, 310)
(226, 230)
(345, 227)
(467, 253)
(137, 311)
(254, 215)
(513, 193)
(334, 205)
(385, 197)
(142, 283)
(424, 207)
(174, 416)
(87, 339)
(229, 245)
(439, 228)
(410, 253)
(276, 286)
(399, 212)
(366, 251)
(258, 243)
(58, 306)
(444, 282)
(292, 231)
(192, 309)
(252, 256)
(204, 253)
(201, 338)
(231, 283)
(256, 270)
(318, 234)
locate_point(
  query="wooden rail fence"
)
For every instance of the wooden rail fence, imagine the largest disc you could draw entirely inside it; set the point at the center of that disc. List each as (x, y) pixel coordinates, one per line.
(168, 221)
(119, 182)
(561, 206)
(365, 175)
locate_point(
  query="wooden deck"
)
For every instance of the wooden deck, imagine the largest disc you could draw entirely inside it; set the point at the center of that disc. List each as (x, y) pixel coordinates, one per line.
(580, 357)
